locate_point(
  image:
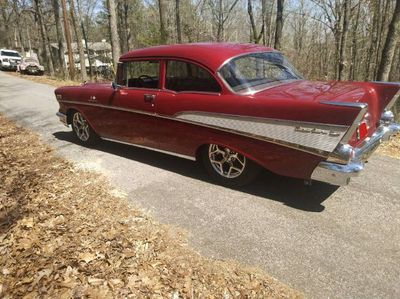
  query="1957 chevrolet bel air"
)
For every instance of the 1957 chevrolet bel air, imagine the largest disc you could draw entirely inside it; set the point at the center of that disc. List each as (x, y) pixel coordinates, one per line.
(236, 108)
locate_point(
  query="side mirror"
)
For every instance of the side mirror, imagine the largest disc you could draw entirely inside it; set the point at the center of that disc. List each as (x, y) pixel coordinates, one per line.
(115, 86)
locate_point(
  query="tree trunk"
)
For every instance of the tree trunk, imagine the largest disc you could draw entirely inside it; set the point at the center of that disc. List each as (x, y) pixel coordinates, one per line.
(116, 49)
(373, 42)
(255, 37)
(123, 26)
(394, 74)
(279, 25)
(220, 29)
(390, 45)
(78, 37)
(80, 17)
(71, 63)
(162, 9)
(354, 45)
(60, 39)
(178, 20)
(43, 33)
(18, 27)
(343, 39)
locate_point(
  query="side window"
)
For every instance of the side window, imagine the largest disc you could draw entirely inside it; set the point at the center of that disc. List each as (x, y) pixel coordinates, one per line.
(141, 74)
(184, 76)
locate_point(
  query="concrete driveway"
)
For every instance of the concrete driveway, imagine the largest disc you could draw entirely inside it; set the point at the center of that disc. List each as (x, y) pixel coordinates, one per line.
(325, 241)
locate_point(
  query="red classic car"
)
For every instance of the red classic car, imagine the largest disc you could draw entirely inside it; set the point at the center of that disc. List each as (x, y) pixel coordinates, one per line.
(236, 108)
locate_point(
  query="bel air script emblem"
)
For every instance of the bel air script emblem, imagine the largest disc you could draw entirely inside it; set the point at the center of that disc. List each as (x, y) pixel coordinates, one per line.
(316, 131)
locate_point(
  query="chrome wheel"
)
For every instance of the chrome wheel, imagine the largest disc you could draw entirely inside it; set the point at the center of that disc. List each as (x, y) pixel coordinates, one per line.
(226, 162)
(81, 127)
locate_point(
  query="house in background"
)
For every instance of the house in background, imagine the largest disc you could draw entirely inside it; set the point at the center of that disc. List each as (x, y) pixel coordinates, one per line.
(99, 54)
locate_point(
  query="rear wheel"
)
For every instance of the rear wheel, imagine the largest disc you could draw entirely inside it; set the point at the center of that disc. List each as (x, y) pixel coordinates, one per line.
(227, 167)
(83, 132)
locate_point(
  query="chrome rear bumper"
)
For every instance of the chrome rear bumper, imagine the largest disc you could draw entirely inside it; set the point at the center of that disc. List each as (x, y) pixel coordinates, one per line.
(340, 174)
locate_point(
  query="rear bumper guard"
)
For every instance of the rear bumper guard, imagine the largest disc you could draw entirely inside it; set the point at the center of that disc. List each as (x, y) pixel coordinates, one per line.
(340, 174)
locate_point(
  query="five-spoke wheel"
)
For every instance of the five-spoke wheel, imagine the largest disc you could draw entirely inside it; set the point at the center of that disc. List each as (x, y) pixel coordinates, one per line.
(82, 129)
(228, 167)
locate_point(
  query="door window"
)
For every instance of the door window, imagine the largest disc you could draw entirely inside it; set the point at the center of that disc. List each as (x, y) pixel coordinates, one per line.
(141, 74)
(184, 76)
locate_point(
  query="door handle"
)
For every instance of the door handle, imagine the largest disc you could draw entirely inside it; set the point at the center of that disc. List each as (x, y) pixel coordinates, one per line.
(149, 98)
(92, 99)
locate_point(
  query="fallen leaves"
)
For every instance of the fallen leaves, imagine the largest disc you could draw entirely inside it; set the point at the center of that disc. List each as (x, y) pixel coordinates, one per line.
(63, 234)
(391, 148)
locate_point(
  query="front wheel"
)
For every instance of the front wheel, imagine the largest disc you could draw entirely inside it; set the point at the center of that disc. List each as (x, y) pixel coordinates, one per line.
(82, 130)
(227, 167)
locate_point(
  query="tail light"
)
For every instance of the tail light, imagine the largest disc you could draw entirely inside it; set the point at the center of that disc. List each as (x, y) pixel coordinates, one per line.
(362, 130)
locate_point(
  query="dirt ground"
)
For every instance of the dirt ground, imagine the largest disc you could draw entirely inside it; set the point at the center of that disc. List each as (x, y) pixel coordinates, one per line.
(391, 148)
(64, 233)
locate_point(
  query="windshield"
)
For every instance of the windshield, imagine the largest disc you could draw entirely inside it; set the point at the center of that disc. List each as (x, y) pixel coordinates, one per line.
(256, 71)
(11, 54)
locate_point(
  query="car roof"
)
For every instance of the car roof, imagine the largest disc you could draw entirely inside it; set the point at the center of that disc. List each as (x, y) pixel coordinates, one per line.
(9, 50)
(211, 55)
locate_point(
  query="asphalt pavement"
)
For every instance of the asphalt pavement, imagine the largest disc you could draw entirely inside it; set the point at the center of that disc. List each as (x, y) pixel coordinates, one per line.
(325, 241)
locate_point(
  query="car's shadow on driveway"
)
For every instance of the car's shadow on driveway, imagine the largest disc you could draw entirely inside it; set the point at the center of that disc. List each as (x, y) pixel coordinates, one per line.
(291, 192)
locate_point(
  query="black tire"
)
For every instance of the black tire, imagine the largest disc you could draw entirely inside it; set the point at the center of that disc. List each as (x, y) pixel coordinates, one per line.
(244, 170)
(82, 130)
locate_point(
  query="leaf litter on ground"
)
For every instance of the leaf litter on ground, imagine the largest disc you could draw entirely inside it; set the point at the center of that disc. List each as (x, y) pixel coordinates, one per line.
(64, 234)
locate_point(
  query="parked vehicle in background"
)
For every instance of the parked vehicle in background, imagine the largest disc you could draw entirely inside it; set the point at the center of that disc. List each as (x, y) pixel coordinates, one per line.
(9, 60)
(30, 66)
(235, 107)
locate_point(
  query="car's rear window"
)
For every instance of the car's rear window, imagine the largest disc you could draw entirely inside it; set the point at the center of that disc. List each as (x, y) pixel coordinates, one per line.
(256, 71)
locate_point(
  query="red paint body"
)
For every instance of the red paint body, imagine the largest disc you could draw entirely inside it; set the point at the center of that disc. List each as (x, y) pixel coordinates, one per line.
(296, 101)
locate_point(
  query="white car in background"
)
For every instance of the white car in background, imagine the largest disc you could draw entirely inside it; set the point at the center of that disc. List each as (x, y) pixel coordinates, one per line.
(31, 66)
(9, 59)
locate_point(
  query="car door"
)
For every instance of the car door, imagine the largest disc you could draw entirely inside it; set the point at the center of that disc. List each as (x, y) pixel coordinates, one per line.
(188, 87)
(131, 114)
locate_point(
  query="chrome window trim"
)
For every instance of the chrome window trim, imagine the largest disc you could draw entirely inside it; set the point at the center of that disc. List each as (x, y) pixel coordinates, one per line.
(191, 92)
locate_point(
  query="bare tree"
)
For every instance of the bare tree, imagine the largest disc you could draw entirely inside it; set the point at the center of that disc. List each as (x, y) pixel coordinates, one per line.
(343, 39)
(18, 26)
(71, 64)
(162, 8)
(123, 24)
(256, 37)
(78, 38)
(178, 20)
(60, 39)
(279, 24)
(221, 15)
(43, 33)
(116, 49)
(390, 45)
